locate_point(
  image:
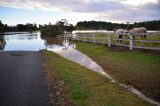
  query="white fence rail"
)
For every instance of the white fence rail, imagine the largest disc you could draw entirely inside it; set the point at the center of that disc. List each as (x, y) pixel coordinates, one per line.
(91, 37)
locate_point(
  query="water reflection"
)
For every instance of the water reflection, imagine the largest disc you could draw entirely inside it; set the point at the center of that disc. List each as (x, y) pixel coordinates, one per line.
(34, 42)
(24, 42)
(68, 51)
(52, 41)
(2, 43)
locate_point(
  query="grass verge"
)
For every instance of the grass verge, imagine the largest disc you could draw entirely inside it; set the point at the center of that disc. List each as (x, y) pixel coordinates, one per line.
(87, 88)
(139, 69)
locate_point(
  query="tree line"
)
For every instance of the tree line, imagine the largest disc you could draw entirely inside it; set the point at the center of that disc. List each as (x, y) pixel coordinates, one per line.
(60, 27)
(17, 28)
(47, 29)
(102, 25)
(63, 26)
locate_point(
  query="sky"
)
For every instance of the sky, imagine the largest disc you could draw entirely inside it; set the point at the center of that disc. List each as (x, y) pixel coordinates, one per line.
(14, 12)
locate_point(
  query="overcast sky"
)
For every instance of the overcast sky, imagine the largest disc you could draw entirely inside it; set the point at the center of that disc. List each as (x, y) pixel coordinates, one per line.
(44, 11)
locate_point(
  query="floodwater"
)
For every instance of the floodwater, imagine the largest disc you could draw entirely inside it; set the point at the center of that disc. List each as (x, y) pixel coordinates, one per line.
(36, 42)
(68, 50)
(23, 42)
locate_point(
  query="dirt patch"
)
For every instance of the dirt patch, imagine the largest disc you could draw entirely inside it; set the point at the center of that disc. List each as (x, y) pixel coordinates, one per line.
(55, 87)
(114, 48)
(118, 49)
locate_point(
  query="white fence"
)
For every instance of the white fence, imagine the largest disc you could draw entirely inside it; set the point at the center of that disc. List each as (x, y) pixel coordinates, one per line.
(91, 37)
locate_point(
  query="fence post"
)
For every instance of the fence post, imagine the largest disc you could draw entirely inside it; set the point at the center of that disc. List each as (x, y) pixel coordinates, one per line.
(109, 39)
(94, 38)
(131, 41)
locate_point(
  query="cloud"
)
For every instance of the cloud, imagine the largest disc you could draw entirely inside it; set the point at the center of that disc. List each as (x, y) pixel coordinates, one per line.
(99, 7)
(137, 2)
(113, 10)
(146, 12)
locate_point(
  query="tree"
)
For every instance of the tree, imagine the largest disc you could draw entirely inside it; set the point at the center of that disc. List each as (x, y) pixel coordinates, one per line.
(60, 27)
(70, 28)
(31, 27)
(99, 25)
(21, 27)
(1, 28)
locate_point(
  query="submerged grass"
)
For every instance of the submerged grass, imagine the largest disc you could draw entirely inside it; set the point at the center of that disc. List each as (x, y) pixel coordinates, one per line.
(136, 68)
(87, 88)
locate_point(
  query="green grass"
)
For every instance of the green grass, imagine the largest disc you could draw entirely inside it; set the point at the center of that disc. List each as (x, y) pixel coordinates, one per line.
(142, 70)
(87, 88)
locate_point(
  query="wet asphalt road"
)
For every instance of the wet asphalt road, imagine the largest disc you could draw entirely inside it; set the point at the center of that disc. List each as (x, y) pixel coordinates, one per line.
(22, 79)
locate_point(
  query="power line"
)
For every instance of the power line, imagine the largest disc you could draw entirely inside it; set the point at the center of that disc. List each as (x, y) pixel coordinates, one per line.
(134, 13)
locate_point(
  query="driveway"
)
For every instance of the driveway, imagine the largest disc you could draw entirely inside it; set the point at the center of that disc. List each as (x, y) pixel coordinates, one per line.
(22, 79)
